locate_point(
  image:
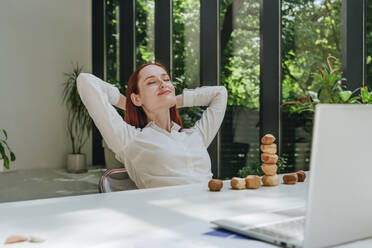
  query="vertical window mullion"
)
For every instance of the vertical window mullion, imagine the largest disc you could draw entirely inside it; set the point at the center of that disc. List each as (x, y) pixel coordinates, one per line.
(98, 68)
(352, 42)
(270, 72)
(127, 39)
(210, 62)
(163, 33)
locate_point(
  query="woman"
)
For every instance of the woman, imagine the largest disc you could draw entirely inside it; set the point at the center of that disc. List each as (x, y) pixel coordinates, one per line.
(151, 143)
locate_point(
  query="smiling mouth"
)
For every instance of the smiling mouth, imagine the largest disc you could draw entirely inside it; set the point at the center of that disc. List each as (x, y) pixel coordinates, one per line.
(165, 92)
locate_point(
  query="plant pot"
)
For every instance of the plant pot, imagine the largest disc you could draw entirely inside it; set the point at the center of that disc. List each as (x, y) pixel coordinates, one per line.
(76, 163)
(110, 160)
(2, 167)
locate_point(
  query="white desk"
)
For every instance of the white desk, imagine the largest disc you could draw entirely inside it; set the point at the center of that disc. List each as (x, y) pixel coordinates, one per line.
(161, 217)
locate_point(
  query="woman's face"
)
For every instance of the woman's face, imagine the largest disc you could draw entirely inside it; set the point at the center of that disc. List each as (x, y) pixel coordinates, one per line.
(156, 91)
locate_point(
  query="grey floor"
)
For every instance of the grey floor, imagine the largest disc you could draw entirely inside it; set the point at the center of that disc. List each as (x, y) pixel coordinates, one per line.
(33, 184)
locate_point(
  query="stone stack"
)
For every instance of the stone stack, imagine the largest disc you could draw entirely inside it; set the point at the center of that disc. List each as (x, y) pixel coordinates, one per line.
(269, 159)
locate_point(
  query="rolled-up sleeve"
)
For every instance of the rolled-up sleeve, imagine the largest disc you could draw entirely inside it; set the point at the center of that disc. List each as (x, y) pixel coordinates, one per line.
(215, 97)
(98, 97)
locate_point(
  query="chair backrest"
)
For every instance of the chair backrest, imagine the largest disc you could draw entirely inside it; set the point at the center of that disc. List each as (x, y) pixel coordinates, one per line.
(116, 179)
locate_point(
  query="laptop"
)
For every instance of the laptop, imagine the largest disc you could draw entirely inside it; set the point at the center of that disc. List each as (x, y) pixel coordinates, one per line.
(339, 200)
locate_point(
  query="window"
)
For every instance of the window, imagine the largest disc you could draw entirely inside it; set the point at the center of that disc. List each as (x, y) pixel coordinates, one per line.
(311, 32)
(240, 74)
(112, 41)
(145, 31)
(186, 42)
(186, 53)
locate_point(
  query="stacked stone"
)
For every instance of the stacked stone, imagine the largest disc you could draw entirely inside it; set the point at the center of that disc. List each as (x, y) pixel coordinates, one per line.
(269, 159)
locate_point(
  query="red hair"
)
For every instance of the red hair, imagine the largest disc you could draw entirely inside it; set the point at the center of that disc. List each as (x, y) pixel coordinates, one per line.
(136, 116)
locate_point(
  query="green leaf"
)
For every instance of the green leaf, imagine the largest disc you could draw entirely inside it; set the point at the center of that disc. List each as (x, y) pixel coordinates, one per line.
(318, 77)
(4, 132)
(7, 146)
(4, 156)
(364, 93)
(355, 91)
(6, 162)
(354, 99)
(12, 156)
(345, 95)
(2, 150)
(332, 78)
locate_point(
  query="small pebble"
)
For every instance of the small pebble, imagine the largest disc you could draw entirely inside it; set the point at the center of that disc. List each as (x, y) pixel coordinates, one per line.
(237, 183)
(290, 178)
(252, 182)
(268, 148)
(15, 239)
(37, 238)
(268, 139)
(301, 175)
(215, 185)
(270, 180)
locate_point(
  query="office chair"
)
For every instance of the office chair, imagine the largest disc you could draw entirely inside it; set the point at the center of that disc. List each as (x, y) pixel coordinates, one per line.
(116, 179)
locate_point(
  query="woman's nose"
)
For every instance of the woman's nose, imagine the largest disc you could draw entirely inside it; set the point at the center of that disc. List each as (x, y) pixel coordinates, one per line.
(162, 84)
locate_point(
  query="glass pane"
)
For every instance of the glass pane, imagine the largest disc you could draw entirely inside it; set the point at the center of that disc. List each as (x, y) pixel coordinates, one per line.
(112, 41)
(111, 63)
(240, 74)
(186, 53)
(186, 41)
(311, 32)
(369, 42)
(145, 31)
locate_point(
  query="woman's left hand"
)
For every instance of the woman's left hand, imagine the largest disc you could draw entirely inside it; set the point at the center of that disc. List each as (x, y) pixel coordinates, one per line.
(179, 99)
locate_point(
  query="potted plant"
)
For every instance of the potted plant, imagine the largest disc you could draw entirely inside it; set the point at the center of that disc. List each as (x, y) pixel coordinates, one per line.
(5, 151)
(79, 123)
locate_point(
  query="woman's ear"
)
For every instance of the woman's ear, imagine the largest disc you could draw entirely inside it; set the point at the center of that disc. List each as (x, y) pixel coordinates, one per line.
(136, 99)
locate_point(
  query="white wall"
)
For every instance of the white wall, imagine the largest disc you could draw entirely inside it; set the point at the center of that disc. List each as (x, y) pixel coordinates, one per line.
(39, 40)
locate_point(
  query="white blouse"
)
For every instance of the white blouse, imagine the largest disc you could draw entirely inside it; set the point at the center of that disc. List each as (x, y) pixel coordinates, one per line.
(153, 156)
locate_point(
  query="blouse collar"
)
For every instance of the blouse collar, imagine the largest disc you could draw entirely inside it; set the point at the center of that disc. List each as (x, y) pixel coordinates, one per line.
(174, 127)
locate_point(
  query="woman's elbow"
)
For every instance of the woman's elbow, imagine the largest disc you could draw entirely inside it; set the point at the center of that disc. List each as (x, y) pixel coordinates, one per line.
(223, 91)
(83, 82)
(82, 79)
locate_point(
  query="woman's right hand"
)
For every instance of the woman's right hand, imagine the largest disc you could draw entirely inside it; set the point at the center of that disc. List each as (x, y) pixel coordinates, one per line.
(121, 103)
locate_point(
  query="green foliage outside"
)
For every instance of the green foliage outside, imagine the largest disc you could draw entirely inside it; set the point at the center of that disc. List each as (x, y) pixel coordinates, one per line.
(311, 31)
(329, 87)
(240, 52)
(186, 45)
(145, 31)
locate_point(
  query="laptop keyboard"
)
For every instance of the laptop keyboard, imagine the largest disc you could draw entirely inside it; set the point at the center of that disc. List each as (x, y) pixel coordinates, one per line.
(289, 230)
